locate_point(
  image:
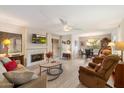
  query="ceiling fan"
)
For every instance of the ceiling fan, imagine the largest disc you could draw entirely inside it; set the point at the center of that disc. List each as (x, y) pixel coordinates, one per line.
(67, 27)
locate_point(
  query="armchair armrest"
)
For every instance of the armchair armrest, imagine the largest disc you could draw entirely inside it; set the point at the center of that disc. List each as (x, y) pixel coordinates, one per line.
(98, 59)
(88, 72)
(92, 64)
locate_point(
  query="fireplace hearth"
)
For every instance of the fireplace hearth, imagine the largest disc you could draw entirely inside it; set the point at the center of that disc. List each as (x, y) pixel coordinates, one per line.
(37, 57)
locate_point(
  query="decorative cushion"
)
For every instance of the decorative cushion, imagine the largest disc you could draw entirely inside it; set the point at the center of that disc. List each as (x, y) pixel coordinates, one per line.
(19, 66)
(5, 60)
(20, 77)
(10, 65)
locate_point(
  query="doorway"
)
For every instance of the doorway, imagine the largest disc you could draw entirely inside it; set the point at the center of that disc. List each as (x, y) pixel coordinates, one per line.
(55, 48)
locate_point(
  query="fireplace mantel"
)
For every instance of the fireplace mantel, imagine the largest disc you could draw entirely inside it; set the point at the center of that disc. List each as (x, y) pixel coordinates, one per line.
(34, 51)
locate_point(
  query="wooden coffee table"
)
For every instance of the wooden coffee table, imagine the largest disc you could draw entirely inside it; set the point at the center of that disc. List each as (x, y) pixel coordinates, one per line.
(50, 66)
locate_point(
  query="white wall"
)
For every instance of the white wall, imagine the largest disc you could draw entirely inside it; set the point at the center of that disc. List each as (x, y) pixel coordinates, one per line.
(121, 31)
(64, 47)
(27, 45)
(55, 36)
(117, 33)
(50, 36)
(75, 46)
(75, 38)
(31, 31)
(30, 45)
(32, 48)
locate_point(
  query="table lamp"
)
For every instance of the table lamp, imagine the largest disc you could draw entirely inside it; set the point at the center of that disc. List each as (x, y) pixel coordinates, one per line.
(112, 45)
(120, 46)
(6, 43)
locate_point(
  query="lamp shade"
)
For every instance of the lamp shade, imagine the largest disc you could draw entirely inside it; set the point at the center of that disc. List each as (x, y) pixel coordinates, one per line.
(119, 45)
(111, 44)
(6, 42)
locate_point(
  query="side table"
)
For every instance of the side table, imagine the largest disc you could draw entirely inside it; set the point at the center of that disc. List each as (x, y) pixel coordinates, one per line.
(119, 76)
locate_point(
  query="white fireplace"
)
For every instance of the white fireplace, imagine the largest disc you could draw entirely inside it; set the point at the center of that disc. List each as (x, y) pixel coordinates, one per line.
(38, 55)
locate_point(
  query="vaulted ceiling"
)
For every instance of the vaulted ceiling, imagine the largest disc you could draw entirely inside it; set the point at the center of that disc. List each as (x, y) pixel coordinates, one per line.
(87, 18)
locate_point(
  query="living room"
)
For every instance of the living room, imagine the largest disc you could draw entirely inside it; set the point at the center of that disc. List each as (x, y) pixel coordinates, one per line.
(51, 42)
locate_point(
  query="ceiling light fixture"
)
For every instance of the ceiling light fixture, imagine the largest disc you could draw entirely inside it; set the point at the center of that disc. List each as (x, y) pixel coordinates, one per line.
(67, 28)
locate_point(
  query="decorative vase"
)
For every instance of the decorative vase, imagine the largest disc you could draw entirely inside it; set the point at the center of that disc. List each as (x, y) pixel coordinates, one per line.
(49, 55)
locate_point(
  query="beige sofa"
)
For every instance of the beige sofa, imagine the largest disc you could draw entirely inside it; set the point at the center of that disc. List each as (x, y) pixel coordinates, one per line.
(40, 82)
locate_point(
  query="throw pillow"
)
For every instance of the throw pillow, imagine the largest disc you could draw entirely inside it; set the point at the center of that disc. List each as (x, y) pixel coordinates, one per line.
(19, 77)
(20, 66)
(10, 65)
(5, 60)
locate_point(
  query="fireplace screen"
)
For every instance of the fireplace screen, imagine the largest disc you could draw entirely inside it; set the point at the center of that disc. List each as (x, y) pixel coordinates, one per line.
(37, 57)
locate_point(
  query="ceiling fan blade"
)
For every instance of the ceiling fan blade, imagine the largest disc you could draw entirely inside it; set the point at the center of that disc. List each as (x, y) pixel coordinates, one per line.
(77, 29)
(63, 21)
(68, 27)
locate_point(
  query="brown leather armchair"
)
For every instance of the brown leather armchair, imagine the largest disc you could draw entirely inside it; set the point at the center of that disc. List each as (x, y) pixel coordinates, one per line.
(105, 50)
(98, 79)
(101, 55)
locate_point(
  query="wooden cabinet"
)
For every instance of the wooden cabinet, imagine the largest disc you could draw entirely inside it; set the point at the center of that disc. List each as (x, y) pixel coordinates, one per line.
(119, 76)
(18, 57)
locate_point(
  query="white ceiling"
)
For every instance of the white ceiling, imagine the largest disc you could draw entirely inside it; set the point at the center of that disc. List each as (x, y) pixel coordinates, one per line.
(88, 18)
